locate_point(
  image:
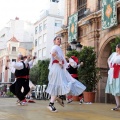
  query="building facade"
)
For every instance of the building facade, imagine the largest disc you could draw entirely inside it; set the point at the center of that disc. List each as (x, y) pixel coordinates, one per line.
(46, 27)
(90, 33)
(15, 38)
(11, 52)
(20, 29)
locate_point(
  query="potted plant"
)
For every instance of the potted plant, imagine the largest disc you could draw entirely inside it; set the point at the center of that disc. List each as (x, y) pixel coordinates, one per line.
(88, 73)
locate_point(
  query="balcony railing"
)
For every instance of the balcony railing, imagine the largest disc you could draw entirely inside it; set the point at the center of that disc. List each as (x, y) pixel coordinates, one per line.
(13, 52)
(81, 14)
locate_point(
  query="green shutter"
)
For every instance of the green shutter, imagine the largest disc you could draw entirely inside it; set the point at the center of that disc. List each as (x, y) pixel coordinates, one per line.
(109, 14)
(72, 27)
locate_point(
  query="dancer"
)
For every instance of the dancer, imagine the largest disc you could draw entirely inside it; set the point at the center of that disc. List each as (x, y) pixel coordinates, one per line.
(29, 95)
(60, 81)
(20, 74)
(28, 86)
(113, 82)
(73, 65)
(23, 75)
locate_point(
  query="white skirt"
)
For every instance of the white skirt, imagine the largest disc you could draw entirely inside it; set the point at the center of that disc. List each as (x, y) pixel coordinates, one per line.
(61, 82)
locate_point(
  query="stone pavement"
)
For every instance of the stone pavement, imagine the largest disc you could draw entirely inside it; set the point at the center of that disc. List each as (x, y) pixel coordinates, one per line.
(38, 111)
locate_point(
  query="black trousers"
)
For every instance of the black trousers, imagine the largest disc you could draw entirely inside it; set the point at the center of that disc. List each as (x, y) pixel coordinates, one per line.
(17, 86)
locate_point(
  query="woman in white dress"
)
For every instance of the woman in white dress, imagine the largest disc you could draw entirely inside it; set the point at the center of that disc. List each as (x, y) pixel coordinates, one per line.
(60, 81)
(113, 82)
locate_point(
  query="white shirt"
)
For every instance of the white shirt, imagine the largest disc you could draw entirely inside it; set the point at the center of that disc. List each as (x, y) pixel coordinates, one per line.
(19, 65)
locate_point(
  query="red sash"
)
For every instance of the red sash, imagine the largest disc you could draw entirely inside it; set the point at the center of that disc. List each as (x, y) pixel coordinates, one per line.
(26, 77)
(56, 61)
(116, 70)
(74, 75)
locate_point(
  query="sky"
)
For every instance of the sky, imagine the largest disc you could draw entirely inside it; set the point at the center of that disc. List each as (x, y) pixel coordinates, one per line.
(28, 10)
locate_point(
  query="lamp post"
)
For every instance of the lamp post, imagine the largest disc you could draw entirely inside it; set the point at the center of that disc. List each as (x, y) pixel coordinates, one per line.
(74, 46)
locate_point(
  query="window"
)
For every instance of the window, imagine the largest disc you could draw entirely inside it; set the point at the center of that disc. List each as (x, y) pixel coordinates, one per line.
(55, 1)
(35, 54)
(80, 32)
(14, 60)
(40, 40)
(58, 23)
(45, 24)
(40, 27)
(81, 5)
(1, 76)
(12, 77)
(1, 62)
(36, 42)
(44, 52)
(14, 49)
(99, 4)
(3, 36)
(39, 53)
(36, 30)
(45, 37)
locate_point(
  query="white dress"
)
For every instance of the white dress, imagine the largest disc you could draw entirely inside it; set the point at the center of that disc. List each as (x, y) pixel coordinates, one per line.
(113, 84)
(60, 81)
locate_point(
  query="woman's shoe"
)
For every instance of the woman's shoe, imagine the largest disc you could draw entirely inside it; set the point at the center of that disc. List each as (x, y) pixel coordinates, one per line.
(115, 109)
(69, 101)
(81, 101)
(51, 107)
(60, 101)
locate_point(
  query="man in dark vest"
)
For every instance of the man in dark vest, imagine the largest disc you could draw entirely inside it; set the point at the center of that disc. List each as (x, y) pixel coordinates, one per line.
(27, 87)
(72, 69)
(73, 65)
(21, 80)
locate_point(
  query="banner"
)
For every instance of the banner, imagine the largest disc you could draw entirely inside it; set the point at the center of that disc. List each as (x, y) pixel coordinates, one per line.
(72, 27)
(109, 14)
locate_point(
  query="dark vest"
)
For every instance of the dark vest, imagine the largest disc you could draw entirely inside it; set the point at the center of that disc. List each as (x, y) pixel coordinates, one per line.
(72, 70)
(27, 69)
(21, 72)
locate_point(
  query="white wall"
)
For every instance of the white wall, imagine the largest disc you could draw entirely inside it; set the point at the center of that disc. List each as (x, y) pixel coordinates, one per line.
(23, 31)
(50, 32)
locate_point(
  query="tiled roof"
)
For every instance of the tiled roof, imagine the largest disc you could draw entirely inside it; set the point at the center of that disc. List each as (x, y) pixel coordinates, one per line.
(13, 39)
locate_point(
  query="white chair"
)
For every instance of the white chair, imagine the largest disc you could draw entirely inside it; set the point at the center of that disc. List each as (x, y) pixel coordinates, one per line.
(37, 91)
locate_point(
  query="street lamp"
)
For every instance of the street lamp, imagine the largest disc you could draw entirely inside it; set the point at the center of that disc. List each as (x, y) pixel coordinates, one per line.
(74, 46)
(78, 46)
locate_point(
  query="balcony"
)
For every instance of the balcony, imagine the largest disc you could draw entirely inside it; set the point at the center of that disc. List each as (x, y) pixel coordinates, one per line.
(13, 52)
(81, 14)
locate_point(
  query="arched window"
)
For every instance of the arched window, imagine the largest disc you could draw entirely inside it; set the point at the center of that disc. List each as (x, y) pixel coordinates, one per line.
(81, 6)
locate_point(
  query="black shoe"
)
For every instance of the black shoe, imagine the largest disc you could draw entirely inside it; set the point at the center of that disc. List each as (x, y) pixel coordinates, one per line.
(69, 101)
(60, 101)
(81, 101)
(51, 107)
(115, 109)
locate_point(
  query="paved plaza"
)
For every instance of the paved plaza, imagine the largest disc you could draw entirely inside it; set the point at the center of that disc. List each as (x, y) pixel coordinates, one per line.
(38, 111)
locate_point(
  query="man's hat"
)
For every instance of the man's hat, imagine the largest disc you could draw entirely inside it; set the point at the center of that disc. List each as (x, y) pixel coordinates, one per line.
(75, 59)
